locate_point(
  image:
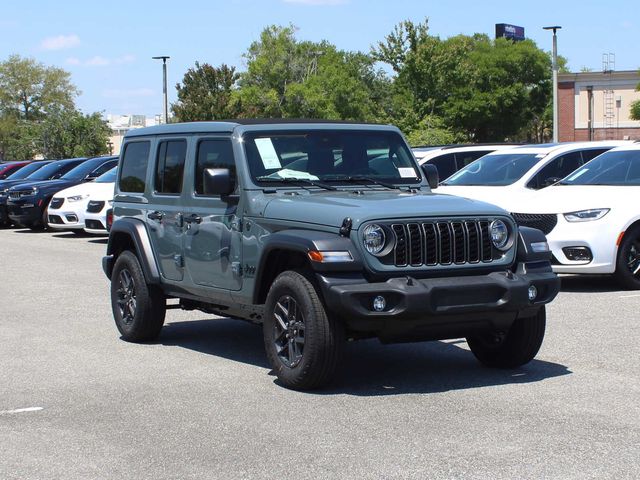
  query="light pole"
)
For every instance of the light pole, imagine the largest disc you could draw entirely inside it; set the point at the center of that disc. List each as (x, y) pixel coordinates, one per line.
(164, 59)
(555, 80)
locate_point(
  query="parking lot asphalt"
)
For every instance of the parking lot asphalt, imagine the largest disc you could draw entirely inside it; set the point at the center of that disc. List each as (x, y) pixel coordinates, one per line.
(78, 402)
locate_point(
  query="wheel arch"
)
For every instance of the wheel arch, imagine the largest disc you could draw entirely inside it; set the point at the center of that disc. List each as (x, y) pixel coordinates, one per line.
(131, 234)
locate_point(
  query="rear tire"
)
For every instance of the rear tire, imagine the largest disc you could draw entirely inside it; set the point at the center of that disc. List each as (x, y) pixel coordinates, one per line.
(303, 344)
(514, 349)
(138, 309)
(628, 260)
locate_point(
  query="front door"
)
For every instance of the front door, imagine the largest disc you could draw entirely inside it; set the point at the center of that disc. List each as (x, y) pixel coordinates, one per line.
(212, 239)
(165, 217)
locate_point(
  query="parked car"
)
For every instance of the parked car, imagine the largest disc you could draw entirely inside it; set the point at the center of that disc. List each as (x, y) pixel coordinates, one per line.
(591, 217)
(8, 168)
(28, 202)
(449, 159)
(502, 177)
(99, 214)
(14, 179)
(309, 230)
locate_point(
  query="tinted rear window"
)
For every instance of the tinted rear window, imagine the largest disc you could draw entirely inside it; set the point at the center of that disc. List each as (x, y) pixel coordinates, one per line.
(134, 167)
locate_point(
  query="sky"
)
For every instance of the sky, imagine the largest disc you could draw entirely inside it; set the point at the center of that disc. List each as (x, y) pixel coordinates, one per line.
(107, 46)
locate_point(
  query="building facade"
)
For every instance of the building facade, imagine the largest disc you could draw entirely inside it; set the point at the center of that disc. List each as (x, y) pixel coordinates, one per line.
(596, 106)
(121, 124)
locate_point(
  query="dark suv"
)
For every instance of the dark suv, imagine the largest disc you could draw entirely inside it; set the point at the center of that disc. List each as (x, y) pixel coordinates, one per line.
(21, 176)
(321, 232)
(27, 203)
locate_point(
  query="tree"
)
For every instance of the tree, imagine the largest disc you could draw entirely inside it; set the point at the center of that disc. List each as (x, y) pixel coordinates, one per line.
(69, 133)
(635, 107)
(28, 89)
(205, 93)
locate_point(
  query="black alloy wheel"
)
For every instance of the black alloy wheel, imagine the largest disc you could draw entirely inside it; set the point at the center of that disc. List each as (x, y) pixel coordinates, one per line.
(126, 292)
(628, 262)
(288, 331)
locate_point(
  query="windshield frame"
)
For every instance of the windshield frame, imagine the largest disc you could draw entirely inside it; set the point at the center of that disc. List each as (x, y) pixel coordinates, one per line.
(273, 182)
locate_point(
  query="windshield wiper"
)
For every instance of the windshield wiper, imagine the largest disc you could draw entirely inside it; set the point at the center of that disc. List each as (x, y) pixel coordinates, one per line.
(297, 180)
(361, 178)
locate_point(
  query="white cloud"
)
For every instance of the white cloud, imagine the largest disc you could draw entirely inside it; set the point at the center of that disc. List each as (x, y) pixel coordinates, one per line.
(317, 2)
(126, 93)
(124, 59)
(97, 61)
(73, 61)
(60, 42)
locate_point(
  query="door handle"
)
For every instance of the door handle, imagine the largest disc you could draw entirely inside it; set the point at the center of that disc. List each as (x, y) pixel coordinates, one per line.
(193, 218)
(157, 216)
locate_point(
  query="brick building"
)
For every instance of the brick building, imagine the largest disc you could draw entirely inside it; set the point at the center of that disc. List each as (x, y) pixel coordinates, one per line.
(596, 106)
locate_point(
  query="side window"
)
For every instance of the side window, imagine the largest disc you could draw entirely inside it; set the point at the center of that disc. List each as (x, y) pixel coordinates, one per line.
(446, 165)
(134, 167)
(555, 170)
(216, 153)
(591, 154)
(106, 166)
(170, 166)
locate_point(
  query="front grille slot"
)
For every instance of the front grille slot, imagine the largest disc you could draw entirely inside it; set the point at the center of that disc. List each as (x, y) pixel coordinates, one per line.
(456, 242)
(56, 203)
(94, 224)
(544, 222)
(94, 206)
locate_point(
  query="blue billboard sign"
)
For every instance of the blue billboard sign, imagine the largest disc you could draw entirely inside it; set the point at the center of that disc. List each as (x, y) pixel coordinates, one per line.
(504, 30)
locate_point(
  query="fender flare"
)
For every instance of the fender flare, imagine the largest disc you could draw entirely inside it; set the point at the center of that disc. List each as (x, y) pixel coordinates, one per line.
(136, 231)
(527, 236)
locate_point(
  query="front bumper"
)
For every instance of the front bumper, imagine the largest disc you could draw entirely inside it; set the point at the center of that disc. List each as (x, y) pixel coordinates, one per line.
(66, 219)
(24, 212)
(96, 223)
(438, 308)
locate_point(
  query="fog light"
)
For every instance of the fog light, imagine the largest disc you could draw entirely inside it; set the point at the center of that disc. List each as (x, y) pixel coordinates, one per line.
(579, 254)
(379, 303)
(533, 293)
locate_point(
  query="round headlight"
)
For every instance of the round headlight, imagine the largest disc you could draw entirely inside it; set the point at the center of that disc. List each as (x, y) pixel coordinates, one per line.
(499, 234)
(374, 239)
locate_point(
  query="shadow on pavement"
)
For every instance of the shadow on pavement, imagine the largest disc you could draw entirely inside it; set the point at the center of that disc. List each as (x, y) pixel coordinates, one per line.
(99, 241)
(368, 368)
(589, 284)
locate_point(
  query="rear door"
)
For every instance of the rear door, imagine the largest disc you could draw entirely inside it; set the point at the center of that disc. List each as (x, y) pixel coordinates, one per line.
(212, 238)
(165, 214)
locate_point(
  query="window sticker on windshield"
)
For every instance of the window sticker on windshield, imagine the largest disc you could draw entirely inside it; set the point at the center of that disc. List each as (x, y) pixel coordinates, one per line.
(268, 154)
(577, 174)
(407, 172)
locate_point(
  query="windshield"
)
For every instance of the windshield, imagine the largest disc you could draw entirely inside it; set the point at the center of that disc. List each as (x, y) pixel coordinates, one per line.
(495, 169)
(27, 170)
(611, 168)
(84, 169)
(108, 177)
(373, 157)
(48, 171)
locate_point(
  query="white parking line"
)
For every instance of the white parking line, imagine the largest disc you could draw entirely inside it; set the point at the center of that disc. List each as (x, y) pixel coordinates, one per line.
(630, 296)
(20, 410)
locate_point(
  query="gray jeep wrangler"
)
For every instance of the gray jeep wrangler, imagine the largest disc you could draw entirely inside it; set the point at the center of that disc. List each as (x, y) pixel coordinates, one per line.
(321, 232)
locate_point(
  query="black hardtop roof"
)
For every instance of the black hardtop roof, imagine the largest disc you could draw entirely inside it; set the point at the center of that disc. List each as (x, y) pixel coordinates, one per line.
(227, 126)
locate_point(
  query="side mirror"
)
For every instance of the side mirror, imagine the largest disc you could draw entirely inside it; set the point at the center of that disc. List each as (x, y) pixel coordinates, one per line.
(217, 181)
(90, 177)
(431, 172)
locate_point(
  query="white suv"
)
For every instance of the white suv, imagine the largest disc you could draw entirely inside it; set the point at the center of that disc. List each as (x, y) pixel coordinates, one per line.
(101, 201)
(591, 218)
(504, 176)
(68, 207)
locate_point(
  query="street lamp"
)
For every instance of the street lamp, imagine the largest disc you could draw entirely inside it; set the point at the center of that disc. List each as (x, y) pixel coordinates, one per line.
(555, 80)
(164, 59)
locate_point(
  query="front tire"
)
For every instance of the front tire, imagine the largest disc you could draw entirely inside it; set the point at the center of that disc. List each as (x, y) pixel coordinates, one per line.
(628, 262)
(515, 348)
(303, 344)
(138, 309)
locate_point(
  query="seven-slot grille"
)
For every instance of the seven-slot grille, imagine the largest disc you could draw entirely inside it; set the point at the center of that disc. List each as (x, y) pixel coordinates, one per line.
(95, 206)
(441, 243)
(56, 203)
(17, 194)
(544, 222)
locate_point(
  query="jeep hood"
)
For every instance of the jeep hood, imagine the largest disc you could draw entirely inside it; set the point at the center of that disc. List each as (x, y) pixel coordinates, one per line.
(331, 208)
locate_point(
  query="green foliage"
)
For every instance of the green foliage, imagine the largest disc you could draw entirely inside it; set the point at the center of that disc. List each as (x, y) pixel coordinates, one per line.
(69, 133)
(205, 93)
(635, 107)
(29, 89)
(431, 130)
